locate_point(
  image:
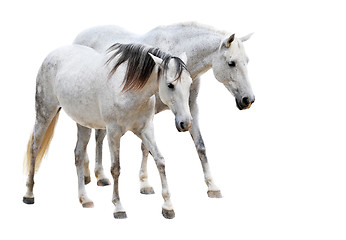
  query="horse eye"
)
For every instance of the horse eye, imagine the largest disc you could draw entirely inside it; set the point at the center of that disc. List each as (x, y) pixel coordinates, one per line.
(231, 64)
(170, 85)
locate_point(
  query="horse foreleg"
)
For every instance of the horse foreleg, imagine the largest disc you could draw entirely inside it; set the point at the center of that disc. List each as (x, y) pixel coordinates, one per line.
(80, 154)
(102, 180)
(213, 190)
(145, 187)
(148, 139)
(114, 136)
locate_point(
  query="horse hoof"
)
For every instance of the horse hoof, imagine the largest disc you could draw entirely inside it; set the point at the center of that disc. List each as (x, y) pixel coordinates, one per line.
(214, 194)
(147, 190)
(88, 205)
(120, 215)
(28, 200)
(87, 180)
(103, 182)
(169, 214)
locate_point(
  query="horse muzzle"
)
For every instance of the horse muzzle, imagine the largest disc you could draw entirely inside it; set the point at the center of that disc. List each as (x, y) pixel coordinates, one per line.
(245, 102)
(183, 126)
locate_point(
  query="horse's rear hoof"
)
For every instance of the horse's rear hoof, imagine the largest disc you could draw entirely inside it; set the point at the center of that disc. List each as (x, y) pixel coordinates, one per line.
(169, 214)
(103, 182)
(87, 180)
(28, 200)
(88, 205)
(120, 215)
(214, 194)
(147, 190)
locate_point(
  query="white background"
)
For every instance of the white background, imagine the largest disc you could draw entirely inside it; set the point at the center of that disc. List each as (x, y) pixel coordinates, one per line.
(280, 165)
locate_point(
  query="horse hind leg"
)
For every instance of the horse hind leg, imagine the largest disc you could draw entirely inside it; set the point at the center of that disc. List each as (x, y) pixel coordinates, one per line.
(80, 153)
(102, 180)
(38, 146)
(47, 112)
(87, 178)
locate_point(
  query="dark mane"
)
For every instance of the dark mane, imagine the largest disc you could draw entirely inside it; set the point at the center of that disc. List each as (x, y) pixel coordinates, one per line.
(140, 65)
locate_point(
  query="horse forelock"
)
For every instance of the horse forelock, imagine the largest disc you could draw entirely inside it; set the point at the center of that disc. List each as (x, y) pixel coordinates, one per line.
(139, 64)
(179, 64)
(236, 48)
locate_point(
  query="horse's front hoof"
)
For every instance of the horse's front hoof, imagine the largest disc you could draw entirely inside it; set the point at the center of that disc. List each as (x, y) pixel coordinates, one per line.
(88, 205)
(28, 200)
(147, 190)
(87, 180)
(214, 194)
(169, 214)
(103, 182)
(120, 215)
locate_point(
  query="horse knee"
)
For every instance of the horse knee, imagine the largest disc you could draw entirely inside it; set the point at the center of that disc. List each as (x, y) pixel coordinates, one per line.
(160, 163)
(201, 150)
(115, 171)
(78, 161)
(79, 156)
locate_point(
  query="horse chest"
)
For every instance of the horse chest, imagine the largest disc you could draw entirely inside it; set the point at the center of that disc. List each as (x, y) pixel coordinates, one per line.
(135, 119)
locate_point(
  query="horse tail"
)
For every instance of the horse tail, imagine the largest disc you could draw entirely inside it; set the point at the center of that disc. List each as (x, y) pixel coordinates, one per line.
(47, 138)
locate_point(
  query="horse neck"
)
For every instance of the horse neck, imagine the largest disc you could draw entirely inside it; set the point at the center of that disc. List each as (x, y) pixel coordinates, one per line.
(201, 52)
(135, 97)
(150, 88)
(199, 43)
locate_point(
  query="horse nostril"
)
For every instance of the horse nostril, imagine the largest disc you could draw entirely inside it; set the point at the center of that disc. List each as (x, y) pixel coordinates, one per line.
(246, 101)
(182, 125)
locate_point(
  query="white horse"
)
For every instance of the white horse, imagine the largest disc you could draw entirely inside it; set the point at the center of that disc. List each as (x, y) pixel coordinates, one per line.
(113, 91)
(205, 48)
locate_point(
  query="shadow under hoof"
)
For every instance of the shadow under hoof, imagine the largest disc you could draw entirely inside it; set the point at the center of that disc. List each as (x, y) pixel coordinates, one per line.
(87, 180)
(27, 200)
(103, 182)
(169, 214)
(88, 205)
(215, 194)
(147, 190)
(120, 215)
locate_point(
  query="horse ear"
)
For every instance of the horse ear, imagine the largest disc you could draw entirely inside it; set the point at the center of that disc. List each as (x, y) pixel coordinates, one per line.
(157, 60)
(245, 38)
(183, 57)
(229, 40)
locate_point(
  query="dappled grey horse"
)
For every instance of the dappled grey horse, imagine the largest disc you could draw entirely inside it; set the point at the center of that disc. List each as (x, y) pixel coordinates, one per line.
(205, 48)
(114, 91)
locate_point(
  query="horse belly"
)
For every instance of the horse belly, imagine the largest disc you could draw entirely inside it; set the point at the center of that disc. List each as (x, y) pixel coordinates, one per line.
(87, 116)
(80, 101)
